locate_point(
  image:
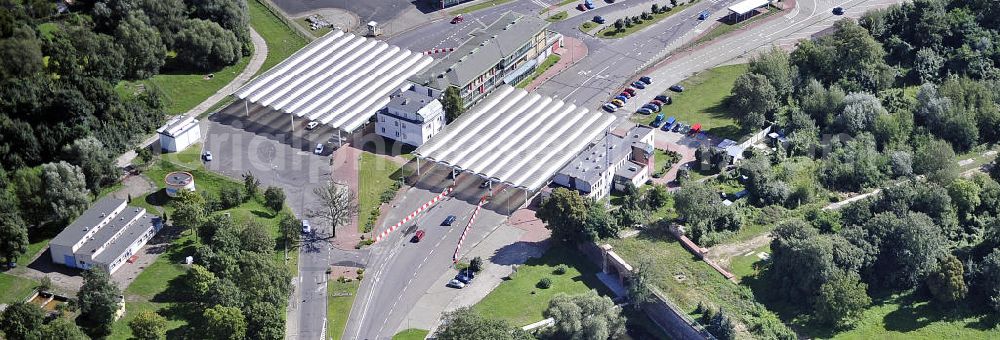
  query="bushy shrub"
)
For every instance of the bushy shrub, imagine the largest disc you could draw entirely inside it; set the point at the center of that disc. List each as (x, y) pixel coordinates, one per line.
(560, 269)
(544, 283)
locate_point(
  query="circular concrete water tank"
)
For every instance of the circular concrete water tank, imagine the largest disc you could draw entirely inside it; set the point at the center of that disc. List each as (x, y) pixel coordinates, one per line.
(179, 180)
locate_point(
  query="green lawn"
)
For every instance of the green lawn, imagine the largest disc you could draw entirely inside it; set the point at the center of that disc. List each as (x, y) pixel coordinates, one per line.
(483, 4)
(156, 278)
(743, 265)
(521, 302)
(183, 91)
(557, 17)
(338, 308)
(34, 248)
(905, 317)
(703, 101)
(281, 40)
(15, 289)
(587, 26)
(121, 331)
(551, 60)
(375, 174)
(611, 33)
(723, 28)
(411, 334)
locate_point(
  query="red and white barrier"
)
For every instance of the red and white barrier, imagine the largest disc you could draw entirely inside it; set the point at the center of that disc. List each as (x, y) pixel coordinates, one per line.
(413, 214)
(439, 50)
(454, 258)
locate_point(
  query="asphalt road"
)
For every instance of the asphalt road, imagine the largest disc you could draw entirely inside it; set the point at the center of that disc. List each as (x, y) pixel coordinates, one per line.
(366, 10)
(443, 34)
(263, 145)
(400, 271)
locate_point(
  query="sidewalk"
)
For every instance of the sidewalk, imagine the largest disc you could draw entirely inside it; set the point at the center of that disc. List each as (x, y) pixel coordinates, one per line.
(345, 172)
(574, 51)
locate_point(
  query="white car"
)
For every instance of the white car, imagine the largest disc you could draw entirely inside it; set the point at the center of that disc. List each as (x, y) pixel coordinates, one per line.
(610, 107)
(207, 155)
(312, 125)
(306, 229)
(455, 284)
(319, 149)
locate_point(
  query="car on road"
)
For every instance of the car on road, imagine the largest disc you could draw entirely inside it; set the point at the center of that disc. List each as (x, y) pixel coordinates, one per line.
(207, 155)
(457, 19)
(644, 111)
(663, 98)
(639, 85)
(703, 15)
(448, 220)
(312, 125)
(618, 102)
(599, 19)
(677, 88)
(419, 235)
(646, 80)
(319, 149)
(306, 228)
(610, 107)
(455, 284)
(838, 10)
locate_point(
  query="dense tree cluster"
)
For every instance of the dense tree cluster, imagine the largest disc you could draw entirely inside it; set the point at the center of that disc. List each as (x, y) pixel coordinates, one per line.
(466, 323)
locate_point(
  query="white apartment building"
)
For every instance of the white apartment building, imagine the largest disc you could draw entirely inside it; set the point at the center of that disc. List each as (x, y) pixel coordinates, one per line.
(610, 164)
(411, 117)
(105, 236)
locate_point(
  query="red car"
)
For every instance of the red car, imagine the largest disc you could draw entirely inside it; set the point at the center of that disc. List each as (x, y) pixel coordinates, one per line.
(581, 7)
(457, 19)
(627, 95)
(630, 90)
(657, 102)
(418, 236)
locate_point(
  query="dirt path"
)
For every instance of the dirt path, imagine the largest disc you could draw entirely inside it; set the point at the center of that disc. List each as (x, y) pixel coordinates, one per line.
(723, 253)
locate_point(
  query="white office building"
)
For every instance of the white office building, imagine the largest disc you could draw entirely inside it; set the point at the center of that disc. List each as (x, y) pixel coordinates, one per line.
(610, 164)
(105, 236)
(411, 117)
(179, 133)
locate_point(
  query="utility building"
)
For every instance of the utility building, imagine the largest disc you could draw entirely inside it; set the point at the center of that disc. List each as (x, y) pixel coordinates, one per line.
(610, 164)
(505, 52)
(179, 133)
(105, 236)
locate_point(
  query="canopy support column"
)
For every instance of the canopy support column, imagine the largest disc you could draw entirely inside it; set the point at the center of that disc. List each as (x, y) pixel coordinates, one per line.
(246, 107)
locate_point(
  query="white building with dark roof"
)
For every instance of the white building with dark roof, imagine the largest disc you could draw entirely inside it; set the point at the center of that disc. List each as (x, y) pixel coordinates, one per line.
(610, 164)
(411, 117)
(105, 236)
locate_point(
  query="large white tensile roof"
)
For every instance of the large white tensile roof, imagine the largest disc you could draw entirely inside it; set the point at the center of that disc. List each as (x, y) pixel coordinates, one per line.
(340, 79)
(746, 6)
(515, 137)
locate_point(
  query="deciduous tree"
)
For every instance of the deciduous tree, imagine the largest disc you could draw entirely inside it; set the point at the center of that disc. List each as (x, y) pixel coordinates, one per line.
(148, 325)
(585, 316)
(466, 323)
(947, 282)
(65, 191)
(564, 213)
(21, 320)
(224, 323)
(98, 299)
(189, 209)
(842, 299)
(335, 204)
(454, 106)
(274, 198)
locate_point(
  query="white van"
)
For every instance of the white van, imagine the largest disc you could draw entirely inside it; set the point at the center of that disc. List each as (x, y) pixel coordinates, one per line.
(306, 229)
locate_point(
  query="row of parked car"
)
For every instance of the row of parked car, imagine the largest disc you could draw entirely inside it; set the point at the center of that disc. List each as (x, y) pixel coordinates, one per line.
(619, 101)
(671, 124)
(463, 278)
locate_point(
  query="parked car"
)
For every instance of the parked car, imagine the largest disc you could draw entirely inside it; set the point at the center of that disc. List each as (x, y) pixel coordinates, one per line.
(703, 15)
(678, 127)
(455, 284)
(319, 149)
(626, 94)
(644, 111)
(589, 4)
(677, 88)
(207, 155)
(646, 80)
(622, 97)
(630, 90)
(663, 98)
(312, 125)
(657, 102)
(838, 10)
(669, 123)
(463, 279)
(581, 7)
(419, 235)
(448, 220)
(610, 107)
(306, 228)
(657, 121)
(618, 102)
(599, 19)
(639, 85)
(651, 107)
(457, 19)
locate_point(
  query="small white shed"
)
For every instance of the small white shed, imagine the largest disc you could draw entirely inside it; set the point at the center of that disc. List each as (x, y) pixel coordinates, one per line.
(179, 133)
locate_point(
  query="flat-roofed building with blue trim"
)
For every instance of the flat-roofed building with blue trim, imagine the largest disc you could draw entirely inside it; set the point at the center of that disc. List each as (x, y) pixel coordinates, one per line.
(104, 236)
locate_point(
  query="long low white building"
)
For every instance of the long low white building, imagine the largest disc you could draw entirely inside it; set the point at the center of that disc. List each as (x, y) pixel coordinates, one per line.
(517, 138)
(340, 80)
(105, 236)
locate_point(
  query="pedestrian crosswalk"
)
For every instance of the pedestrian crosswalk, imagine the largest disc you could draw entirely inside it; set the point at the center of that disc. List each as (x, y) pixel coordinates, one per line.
(541, 3)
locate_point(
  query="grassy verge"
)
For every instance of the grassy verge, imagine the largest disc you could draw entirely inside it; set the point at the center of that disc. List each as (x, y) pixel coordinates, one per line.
(121, 331)
(375, 174)
(411, 334)
(281, 40)
(908, 317)
(704, 101)
(746, 265)
(588, 26)
(483, 4)
(34, 248)
(551, 60)
(557, 17)
(724, 28)
(611, 33)
(338, 308)
(15, 289)
(182, 92)
(531, 301)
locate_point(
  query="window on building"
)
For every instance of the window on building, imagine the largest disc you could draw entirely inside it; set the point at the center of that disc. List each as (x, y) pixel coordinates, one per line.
(395, 123)
(383, 130)
(397, 133)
